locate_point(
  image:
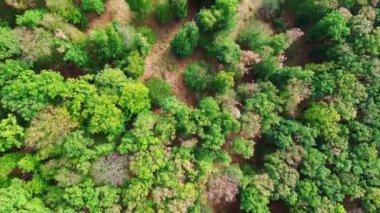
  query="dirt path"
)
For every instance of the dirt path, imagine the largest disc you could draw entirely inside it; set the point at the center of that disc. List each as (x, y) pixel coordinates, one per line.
(162, 63)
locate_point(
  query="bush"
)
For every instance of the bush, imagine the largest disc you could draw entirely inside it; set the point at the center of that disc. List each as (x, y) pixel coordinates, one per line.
(30, 19)
(158, 89)
(185, 40)
(197, 76)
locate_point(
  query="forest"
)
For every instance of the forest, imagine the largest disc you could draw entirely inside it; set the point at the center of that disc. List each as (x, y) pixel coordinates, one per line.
(198, 106)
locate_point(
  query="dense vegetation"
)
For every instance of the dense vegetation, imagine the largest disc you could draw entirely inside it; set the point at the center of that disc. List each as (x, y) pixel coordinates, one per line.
(82, 129)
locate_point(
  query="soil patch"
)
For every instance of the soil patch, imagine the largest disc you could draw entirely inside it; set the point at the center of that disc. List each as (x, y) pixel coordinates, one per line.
(162, 63)
(113, 9)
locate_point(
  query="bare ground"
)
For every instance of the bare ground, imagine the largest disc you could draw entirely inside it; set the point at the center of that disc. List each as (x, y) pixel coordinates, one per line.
(162, 63)
(113, 9)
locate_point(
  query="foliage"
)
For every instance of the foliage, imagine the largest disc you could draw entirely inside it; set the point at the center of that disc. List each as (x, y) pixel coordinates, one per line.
(333, 25)
(223, 81)
(185, 40)
(96, 6)
(30, 19)
(243, 147)
(158, 89)
(30, 93)
(141, 7)
(48, 129)
(133, 65)
(11, 134)
(9, 44)
(197, 76)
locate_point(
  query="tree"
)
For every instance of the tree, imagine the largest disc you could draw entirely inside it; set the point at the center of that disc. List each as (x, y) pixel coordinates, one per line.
(324, 118)
(11, 70)
(213, 123)
(96, 6)
(48, 129)
(18, 198)
(253, 201)
(9, 44)
(66, 9)
(197, 76)
(222, 189)
(30, 93)
(333, 25)
(30, 19)
(141, 7)
(134, 99)
(205, 20)
(179, 8)
(111, 169)
(107, 44)
(243, 147)
(11, 134)
(103, 116)
(158, 89)
(225, 50)
(133, 65)
(185, 40)
(223, 81)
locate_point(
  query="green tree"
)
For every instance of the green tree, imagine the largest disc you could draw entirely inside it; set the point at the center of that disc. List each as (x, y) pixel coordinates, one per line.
(11, 134)
(18, 198)
(31, 18)
(185, 40)
(223, 81)
(30, 93)
(141, 7)
(197, 76)
(179, 8)
(205, 20)
(96, 6)
(333, 26)
(107, 44)
(134, 99)
(158, 89)
(243, 147)
(225, 50)
(324, 118)
(133, 65)
(253, 201)
(9, 44)
(104, 117)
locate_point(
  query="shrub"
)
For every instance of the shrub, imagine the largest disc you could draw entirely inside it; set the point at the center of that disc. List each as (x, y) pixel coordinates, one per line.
(158, 89)
(185, 40)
